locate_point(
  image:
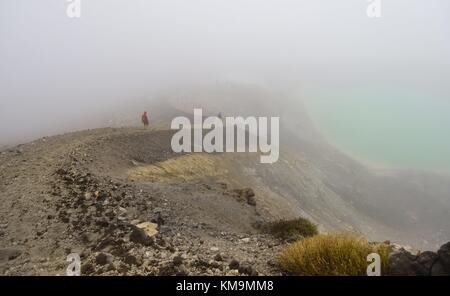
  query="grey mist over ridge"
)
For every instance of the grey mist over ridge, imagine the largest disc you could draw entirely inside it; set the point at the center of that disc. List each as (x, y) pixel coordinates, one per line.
(57, 71)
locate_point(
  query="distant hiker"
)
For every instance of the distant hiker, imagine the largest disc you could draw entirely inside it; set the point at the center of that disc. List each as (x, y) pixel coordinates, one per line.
(144, 119)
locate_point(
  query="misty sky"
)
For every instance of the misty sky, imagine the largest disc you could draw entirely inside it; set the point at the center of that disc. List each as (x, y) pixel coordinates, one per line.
(54, 70)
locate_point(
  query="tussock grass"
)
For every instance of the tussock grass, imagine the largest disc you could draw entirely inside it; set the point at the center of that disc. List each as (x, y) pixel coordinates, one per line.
(337, 254)
(296, 228)
(189, 167)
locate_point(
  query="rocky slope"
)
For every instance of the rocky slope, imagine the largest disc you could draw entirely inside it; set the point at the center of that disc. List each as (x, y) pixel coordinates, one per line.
(402, 262)
(123, 201)
(74, 194)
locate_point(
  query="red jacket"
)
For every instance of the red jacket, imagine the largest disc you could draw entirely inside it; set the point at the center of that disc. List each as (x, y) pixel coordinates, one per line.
(145, 118)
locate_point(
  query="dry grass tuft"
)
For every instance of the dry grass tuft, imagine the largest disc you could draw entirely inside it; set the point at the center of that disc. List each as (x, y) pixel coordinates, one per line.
(288, 229)
(189, 167)
(338, 254)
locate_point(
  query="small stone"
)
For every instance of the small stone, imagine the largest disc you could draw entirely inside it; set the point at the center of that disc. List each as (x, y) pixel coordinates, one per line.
(218, 257)
(234, 264)
(251, 200)
(104, 258)
(140, 237)
(214, 264)
(245, 269)
(87, 269)
(149, 228)
(214, 249)
(182, 271)
(143, 233)
(130, 260)
(177, 260)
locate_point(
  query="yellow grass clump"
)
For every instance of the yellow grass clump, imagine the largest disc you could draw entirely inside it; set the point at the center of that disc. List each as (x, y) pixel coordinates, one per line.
(332, 255)
(189, 167)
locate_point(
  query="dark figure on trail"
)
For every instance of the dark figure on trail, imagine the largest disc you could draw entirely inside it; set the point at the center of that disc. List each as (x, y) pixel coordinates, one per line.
(144, 119)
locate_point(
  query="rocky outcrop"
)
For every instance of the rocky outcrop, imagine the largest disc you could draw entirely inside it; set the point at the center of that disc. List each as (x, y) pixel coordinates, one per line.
(402, 262)
(246, 194)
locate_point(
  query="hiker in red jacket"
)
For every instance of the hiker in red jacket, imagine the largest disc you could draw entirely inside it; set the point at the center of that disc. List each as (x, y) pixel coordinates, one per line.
(144, 119)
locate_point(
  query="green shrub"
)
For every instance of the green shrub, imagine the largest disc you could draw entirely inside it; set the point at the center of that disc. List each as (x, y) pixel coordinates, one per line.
(296, 228)
(338, 254)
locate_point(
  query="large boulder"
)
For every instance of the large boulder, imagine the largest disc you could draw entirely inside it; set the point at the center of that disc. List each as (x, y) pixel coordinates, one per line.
(442, 265)
(402, 262)
(444, 254)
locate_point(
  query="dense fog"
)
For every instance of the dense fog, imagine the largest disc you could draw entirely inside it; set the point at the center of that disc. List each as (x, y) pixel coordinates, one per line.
(56, 71)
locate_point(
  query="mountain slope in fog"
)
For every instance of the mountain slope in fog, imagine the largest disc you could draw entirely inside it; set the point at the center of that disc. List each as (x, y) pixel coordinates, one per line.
(311, 178)
(319, 182)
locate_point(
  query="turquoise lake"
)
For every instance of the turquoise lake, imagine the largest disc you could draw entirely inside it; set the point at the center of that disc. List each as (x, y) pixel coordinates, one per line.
(389, 129)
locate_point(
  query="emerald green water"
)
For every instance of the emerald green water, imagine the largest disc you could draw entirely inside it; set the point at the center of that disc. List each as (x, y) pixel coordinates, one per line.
(388, 129)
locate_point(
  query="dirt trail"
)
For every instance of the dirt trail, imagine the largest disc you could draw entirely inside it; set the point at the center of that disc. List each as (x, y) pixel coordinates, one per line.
(73, 193)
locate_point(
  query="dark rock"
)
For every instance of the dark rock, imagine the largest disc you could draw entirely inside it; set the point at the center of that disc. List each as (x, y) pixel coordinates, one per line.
(426, 261)
(103, 258)
(439, 269)
(182, 271)
(234, 264)
(119, 249)
(218, 257)
(201, 262)
(87, 269)
(244, 194)
(214, 264)
(102, 222)
(167, 270)
(251, 201)
(442, 264)
(130, 260)
(245, 269)
(248, 192)
(444, 255)
(271, 263)
(159, 219)
(140, 237)
(403, 263)
(177, 260)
